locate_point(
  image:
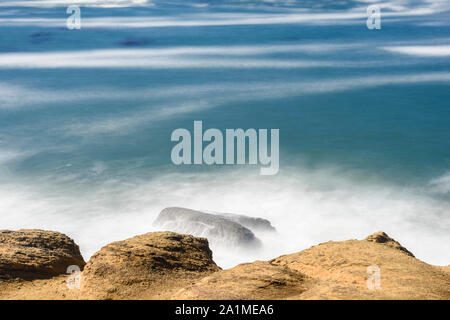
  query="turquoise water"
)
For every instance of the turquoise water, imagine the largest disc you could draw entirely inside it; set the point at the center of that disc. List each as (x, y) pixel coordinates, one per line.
(364, 118)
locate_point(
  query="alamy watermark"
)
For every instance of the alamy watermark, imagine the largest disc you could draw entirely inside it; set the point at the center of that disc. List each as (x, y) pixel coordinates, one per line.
(373, 17)
(374, 280)
(74, 20)
(74, 280)
(232, 151)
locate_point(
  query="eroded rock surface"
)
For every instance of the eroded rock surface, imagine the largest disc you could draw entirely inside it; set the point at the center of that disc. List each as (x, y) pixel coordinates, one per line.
(166, 265)
(381, 237)
(257, 280)
(342, 271)
(34, 254)
(332, 270)
(148, 266)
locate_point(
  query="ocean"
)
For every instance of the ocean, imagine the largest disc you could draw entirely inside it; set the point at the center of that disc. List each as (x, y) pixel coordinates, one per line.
(86, 117)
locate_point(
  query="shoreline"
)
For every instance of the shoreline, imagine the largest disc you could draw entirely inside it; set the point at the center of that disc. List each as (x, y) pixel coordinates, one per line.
(172, 266)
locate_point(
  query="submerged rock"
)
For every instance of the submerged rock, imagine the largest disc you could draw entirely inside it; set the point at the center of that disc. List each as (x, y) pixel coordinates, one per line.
(42, 36)
(34, 254)
(218, 229)
(148, 266)
(253, 223)
(134, 42)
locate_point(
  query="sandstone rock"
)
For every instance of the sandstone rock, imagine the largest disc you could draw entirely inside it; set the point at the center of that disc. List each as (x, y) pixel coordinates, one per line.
(445, 268)
(148, 266)
(342, 271)
(218, 229)
(332, 270)
(165, 265)
(381, 237)
(33, 254)
(54, 288)
(257, 280)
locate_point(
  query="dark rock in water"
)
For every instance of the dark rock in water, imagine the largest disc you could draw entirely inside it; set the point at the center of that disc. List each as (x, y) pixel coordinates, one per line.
(134, 42)
(42, 36)
(219, 230)
(34, 254)
(255, 224)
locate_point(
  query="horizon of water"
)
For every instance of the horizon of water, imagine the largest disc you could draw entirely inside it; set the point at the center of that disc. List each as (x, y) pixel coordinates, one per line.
(364, 118)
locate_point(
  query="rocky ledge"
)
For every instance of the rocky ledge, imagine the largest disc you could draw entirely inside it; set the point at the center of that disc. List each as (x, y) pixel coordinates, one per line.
(148, 266)
(34, 254)
(167, 265)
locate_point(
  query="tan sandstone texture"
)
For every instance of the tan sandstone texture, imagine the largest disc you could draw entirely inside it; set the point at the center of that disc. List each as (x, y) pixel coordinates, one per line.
(148, 266)
(34, 254)
(166, 265)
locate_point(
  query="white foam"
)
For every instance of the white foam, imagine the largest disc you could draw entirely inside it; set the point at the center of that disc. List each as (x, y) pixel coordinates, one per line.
(441, 184)
(201, 97)
(210, 57)
(122, 124)
(84, 3)
(306, 206)
(8, 156)
(352, 16)
(422, 51)
(165, 59)
(16, 96)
